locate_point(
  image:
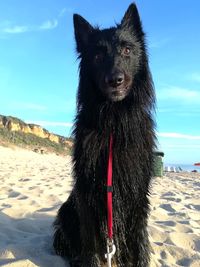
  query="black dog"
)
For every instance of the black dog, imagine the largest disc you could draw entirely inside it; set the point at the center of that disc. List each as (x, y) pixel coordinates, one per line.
(115, 96)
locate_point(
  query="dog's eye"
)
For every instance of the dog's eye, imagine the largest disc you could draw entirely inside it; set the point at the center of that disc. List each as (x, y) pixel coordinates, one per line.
(126, 50)
(98, 56)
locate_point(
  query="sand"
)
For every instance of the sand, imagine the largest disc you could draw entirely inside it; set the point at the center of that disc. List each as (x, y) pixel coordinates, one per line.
(33, 186)
(174, 223)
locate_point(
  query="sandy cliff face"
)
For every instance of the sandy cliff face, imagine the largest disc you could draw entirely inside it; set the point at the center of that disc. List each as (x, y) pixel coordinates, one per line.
(14, 124)
(39, 131)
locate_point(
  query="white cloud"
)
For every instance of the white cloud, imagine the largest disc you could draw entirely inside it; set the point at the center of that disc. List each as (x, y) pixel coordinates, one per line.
(179, 147)
(159, 43)
(192, 111)
(195, 77)
(179, 93)
(10, 28)
(62, 12)
(52, 123)
(48, 25)
(178, 136)
(183, 146)
(15, 29)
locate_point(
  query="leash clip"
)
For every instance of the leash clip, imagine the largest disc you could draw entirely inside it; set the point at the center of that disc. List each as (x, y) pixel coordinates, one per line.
(111, 249)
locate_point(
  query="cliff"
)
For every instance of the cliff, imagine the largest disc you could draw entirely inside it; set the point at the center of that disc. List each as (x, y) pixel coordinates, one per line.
(15, 130)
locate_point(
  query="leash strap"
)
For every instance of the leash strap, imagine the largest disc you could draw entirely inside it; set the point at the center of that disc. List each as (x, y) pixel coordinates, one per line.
(111, 249)
(110, 190)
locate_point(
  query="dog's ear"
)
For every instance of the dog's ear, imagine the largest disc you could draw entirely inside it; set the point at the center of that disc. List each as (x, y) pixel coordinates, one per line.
(82, 29)
(131, 19)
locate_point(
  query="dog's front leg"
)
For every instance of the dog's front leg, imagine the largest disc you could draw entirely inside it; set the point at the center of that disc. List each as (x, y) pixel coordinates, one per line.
(89, 257)
(143, 248)
(138, 242)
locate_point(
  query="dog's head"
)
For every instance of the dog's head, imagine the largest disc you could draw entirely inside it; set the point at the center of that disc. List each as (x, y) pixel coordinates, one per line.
(112, 57)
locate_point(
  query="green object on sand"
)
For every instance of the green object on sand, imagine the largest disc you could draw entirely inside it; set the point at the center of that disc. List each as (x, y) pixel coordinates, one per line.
(158, 163)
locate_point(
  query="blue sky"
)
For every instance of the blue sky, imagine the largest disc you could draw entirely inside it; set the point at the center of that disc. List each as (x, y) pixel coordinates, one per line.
(39, 70)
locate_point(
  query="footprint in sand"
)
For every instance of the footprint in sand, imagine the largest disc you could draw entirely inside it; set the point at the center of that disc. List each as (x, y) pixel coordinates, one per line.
(47, 209)
(24, 180)
(184, 222)
(184, 262)
(167, 207)
(6, 205)
(172, 199)
(13, 194)
(163, 255)
(197, 184)
(185, 240)
(193, 207)
(183, 228)
(166, 223)
(168, 194)
(22, 197)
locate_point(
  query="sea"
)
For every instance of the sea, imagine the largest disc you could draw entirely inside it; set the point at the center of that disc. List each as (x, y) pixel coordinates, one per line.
(184, 167)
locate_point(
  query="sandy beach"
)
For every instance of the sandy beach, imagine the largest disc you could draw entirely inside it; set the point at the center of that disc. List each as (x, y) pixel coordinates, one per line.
(174, 223)
(33, 186)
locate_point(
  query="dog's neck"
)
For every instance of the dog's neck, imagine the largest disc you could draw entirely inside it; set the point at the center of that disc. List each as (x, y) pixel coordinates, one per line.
(124, 120)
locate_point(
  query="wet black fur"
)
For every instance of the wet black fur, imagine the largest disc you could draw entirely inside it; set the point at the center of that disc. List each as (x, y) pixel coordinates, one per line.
(80, 227)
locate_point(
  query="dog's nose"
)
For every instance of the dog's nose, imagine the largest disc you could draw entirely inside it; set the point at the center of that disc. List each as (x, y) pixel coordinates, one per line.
(114, 79)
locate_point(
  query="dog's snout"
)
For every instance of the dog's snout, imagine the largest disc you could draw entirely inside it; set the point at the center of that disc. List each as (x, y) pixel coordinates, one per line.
(114, 79)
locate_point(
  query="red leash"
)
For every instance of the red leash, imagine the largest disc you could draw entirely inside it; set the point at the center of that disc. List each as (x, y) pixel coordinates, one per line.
(110, 190)
(110, 244)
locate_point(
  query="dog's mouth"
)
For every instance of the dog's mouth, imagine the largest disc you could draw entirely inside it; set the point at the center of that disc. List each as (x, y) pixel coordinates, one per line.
(117, 94)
